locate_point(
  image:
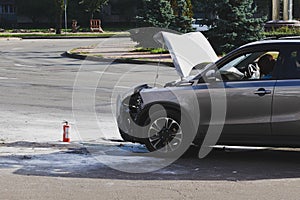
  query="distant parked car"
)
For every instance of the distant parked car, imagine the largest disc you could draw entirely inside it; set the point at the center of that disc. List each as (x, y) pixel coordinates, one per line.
(262, 109)
(198, 26)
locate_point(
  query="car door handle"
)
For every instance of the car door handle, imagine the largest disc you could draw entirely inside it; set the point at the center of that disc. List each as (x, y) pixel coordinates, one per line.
(262, 92)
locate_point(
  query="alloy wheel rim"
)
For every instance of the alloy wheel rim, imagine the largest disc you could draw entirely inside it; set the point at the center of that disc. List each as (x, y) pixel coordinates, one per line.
(165, 134)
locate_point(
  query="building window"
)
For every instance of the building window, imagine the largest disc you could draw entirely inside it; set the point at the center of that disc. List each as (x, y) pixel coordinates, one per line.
(8, 9)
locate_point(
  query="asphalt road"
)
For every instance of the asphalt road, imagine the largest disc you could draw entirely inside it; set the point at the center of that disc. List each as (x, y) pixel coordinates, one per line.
(40, 88)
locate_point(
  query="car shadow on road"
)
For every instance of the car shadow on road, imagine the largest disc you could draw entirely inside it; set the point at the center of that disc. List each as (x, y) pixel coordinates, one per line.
(220, 164)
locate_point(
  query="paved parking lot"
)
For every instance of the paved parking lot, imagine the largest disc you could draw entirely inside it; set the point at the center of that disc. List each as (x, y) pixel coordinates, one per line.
(37, 93)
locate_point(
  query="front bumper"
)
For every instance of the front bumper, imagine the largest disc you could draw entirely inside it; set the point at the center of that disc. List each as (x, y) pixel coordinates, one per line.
(126, 125)
(128, 109)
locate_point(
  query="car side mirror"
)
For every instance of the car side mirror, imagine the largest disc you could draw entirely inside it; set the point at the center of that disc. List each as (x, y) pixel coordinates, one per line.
(210, 76)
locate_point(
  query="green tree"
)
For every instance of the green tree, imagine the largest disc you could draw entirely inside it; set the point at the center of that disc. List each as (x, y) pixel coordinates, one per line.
(59, 9)
(93, 6)
(35, 10)
(156, 13)
(77, 12)
(190, 12)
(234, 24)
(130, 5)
(185, 5)
(264, 7)
(173, 14)
(182, 10)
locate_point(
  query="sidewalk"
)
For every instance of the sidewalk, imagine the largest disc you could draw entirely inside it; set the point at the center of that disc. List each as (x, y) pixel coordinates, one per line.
(117, 48)
(118, 51)
(79, 35)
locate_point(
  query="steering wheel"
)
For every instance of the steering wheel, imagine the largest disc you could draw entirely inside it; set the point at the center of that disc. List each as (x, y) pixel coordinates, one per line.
(252, 71)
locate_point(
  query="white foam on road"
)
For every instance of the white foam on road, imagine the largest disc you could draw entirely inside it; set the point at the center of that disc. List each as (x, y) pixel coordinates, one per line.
(6, 78)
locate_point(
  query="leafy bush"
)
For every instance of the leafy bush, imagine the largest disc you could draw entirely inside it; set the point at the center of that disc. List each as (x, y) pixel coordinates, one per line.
(283, 32)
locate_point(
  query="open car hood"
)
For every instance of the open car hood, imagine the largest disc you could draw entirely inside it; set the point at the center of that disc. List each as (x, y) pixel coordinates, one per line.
(187, 50)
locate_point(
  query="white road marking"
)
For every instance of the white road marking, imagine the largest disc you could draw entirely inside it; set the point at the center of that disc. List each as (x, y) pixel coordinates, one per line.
(14, 49)
(21, 65)
(119, 86)
(111, 73)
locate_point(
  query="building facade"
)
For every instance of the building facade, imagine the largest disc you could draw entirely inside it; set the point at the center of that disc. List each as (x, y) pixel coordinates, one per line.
(8, 14)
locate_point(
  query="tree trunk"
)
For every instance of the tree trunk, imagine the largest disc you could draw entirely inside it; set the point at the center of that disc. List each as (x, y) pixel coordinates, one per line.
(58, 16)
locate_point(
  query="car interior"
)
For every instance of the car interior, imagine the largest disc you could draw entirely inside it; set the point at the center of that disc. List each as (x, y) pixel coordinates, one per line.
(245, 67)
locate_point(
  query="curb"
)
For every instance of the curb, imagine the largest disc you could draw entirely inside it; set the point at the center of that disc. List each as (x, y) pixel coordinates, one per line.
(10, 38)
(118, 60)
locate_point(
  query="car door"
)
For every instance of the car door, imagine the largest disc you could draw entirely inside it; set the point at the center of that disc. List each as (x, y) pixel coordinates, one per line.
(248, 108)
(249, 102)
(286, 102)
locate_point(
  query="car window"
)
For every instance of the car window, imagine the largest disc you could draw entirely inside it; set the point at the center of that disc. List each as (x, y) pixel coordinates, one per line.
(291, 64)
(250, 66)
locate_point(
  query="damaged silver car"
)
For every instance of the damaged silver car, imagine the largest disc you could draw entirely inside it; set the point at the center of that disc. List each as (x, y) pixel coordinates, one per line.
(261, 86)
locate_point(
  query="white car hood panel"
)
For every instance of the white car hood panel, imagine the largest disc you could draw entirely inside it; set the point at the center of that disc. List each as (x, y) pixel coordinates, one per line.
(187, 50)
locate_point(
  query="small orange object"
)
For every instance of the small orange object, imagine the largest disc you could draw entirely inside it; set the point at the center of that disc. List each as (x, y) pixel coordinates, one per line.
(66, 132)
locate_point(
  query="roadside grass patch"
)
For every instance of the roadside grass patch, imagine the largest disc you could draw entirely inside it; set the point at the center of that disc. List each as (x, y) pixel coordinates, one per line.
(151, 50)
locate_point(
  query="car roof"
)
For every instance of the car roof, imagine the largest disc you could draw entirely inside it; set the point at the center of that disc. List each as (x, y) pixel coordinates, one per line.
(279, 41)
(262, 44)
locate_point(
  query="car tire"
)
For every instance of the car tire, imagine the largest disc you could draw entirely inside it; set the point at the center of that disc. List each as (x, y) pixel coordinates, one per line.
(168, 135)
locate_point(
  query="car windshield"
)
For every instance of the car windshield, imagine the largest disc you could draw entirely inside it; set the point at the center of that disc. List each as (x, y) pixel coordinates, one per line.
(232, 67)
(234, 63)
